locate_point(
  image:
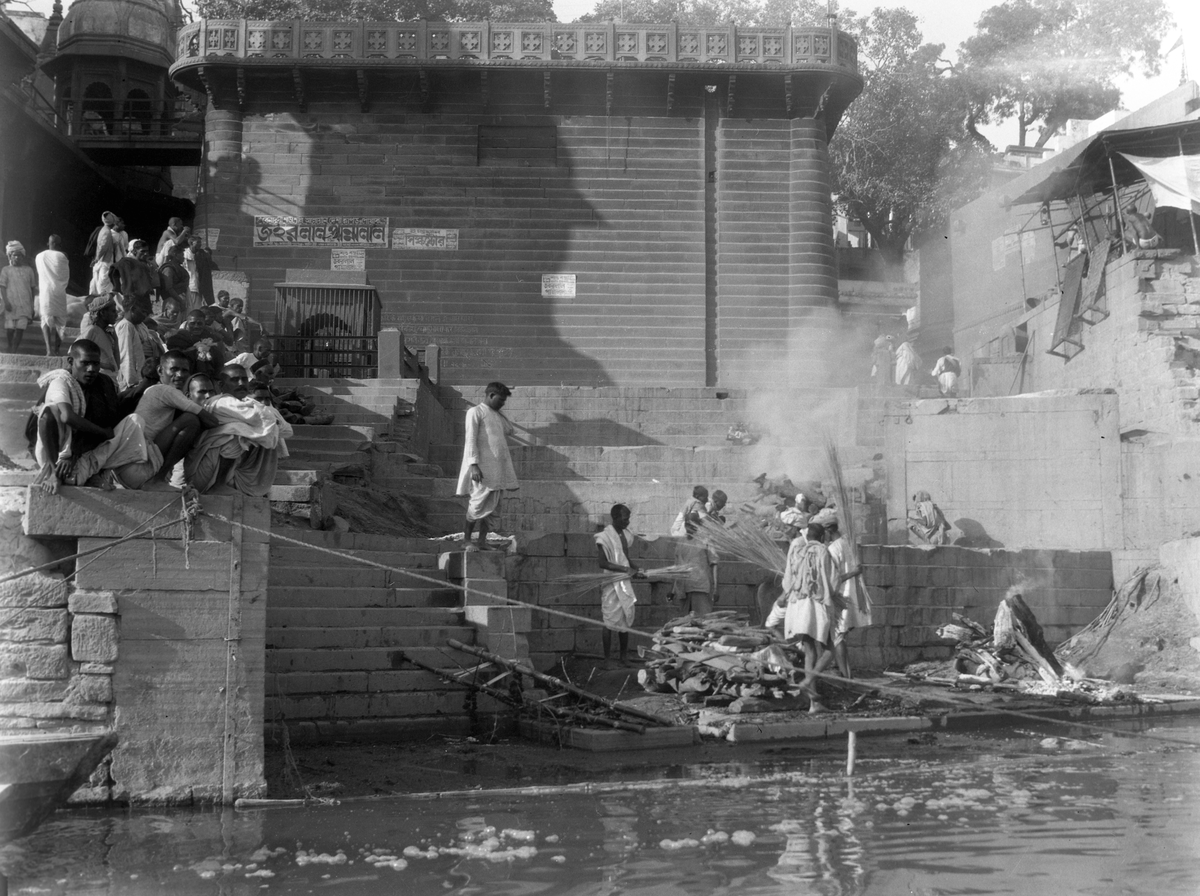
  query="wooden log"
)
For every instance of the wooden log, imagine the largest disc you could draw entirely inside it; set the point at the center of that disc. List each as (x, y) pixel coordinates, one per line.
(559, 683)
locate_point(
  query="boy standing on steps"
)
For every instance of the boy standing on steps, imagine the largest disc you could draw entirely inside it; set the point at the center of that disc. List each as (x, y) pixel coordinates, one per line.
(487, 467)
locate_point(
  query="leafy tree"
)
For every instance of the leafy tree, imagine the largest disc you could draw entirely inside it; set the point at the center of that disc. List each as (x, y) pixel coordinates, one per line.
(1049, 61)
(381, 10)
(902, 157)
(711, 12)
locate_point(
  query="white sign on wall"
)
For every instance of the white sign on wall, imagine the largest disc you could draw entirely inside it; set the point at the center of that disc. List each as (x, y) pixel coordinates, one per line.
(347, 259)
(558, 286)
(424, 238)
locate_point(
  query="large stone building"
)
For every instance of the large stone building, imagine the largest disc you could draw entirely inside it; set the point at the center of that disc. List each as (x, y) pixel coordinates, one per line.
(589, 203)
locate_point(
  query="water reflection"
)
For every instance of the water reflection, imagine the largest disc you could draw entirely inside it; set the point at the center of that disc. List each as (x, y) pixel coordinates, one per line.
(1065, 823)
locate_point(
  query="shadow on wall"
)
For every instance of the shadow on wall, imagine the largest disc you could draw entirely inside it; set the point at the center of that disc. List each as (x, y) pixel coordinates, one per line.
(973, 535)
(481, 303)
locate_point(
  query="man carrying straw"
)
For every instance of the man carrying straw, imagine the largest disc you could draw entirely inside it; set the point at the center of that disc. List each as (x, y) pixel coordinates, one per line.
(487, 467)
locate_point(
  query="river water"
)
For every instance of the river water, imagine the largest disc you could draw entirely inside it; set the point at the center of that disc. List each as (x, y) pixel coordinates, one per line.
(1114, 814)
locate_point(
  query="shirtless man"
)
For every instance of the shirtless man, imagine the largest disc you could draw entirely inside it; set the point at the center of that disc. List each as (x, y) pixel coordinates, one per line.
(172, 420)
(1145, 236)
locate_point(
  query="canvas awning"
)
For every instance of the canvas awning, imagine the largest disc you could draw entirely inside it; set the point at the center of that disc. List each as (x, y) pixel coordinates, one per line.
(1084, 169)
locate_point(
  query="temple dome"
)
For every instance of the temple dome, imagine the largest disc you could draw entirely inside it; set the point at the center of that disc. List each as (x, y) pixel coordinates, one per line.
(136, 29)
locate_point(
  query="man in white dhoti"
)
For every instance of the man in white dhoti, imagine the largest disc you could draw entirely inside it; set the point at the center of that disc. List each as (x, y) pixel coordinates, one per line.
(618, 599)
(856, 604)
(53, 272)
(487, 467)
(125, 456)
(946, 372)
(908, 362)
(242, 452)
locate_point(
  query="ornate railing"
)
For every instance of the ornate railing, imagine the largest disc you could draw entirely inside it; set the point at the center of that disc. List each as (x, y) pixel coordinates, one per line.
(493, 42)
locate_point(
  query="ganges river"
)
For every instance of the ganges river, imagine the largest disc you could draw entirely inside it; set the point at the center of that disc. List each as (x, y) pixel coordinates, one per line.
(1046, 814)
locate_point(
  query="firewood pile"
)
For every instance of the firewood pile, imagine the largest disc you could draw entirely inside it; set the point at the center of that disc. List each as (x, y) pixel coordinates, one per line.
(1013, 655)
(720, 655)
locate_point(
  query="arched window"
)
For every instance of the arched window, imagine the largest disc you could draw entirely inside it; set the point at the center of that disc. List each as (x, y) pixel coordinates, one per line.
(97, 109)
(139, 110)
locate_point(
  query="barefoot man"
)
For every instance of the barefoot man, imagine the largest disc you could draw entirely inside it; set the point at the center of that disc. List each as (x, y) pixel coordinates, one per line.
(487, 467)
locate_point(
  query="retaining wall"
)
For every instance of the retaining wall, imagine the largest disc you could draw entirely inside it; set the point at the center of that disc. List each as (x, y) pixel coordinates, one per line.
(158, 639)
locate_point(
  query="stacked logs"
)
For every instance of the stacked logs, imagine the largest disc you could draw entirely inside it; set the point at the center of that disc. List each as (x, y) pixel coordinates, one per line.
(720, 655)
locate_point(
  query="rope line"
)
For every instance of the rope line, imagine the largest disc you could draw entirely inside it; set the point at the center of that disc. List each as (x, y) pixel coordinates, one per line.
(884, 689)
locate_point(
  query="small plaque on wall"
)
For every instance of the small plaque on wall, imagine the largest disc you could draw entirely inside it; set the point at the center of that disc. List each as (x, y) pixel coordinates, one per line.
(424, 238)
(348, 259)
(558, 286)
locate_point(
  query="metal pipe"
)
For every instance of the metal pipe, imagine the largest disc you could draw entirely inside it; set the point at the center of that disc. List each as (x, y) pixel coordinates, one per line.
(1112, 172)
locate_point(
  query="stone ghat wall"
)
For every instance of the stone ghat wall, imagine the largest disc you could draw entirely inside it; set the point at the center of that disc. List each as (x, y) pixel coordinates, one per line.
(156, 639)
(913, 590)
(694, 241)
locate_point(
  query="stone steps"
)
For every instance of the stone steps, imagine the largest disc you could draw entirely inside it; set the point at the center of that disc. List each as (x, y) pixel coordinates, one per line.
(297, 556)
(377, 713)
(340, 638)
(323, 597)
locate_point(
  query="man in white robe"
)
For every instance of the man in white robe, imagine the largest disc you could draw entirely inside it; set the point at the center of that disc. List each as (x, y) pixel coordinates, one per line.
(53, 273)
(242, 452)
(618, 599)
(487, 467)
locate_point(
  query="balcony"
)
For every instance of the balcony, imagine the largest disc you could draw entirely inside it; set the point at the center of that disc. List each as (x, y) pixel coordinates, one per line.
(487, 43)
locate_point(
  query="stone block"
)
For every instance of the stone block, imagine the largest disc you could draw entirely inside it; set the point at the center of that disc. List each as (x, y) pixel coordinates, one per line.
(25, 624)
(23, 691)
(549, 545)
(36, 590)
(94, 639)
(508, 646)
(58, 711)
(38, 661)
(90, 689)
(472, 564)
(93, 602)
(138, 565)
(502, 620)
(94, 513)
(96, 668)
(484, 591)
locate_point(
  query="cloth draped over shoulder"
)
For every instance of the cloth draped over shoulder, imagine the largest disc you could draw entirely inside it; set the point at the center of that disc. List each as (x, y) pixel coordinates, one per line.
(693, 505)
(54, 272)
(58, 387)
(926, 520)
(486, 444)
(617, 599)
(251, 434)
(813, 601)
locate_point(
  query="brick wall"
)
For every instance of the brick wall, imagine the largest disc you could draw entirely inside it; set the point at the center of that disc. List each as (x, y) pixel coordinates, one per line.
(619, 201)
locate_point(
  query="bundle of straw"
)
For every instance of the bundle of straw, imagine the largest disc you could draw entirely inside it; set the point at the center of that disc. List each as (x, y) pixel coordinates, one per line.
(579, 584)
(745, 540)
(845, 512)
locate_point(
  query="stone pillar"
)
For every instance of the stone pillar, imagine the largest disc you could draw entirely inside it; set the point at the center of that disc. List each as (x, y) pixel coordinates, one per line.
(219, 202)
(502, 628)
(391, 354)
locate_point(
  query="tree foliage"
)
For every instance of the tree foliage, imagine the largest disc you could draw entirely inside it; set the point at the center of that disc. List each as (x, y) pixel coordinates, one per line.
(380, 10)
(901, 156)
(711, 12)
(1047, 61)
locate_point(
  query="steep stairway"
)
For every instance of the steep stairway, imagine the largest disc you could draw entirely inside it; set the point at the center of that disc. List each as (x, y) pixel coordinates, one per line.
(338, 630)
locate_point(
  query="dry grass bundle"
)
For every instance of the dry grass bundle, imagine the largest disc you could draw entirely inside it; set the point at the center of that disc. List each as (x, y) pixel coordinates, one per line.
(579, 584)
(745, 540)
(845, 512)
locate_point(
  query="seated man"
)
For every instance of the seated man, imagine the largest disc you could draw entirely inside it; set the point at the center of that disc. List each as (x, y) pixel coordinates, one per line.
(102, 317)
(172, 421)
(196, 342)
(1142, 234)
(138, 348)
(242, 452)
(122, 452)
(255, 362)
(173, 285)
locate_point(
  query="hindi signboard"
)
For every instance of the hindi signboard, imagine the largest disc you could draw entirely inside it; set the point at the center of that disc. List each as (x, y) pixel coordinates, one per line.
(282, 230)
(347, 259)
(424, 238)
(558, 286)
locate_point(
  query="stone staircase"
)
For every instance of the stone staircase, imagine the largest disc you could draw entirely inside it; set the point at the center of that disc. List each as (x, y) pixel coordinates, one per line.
(338, 631)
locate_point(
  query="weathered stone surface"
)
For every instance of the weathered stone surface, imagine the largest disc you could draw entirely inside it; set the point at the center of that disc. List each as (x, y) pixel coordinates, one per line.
(501, 620)
(93, 602)
(94, 639)
(91, 512)
(472, 564)
(22, 690)
(39, 661)
(90, 689)
(484, 591)
(137, 564)
(81, 711)
(26, 624)
(40, 589)
(96, 668)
